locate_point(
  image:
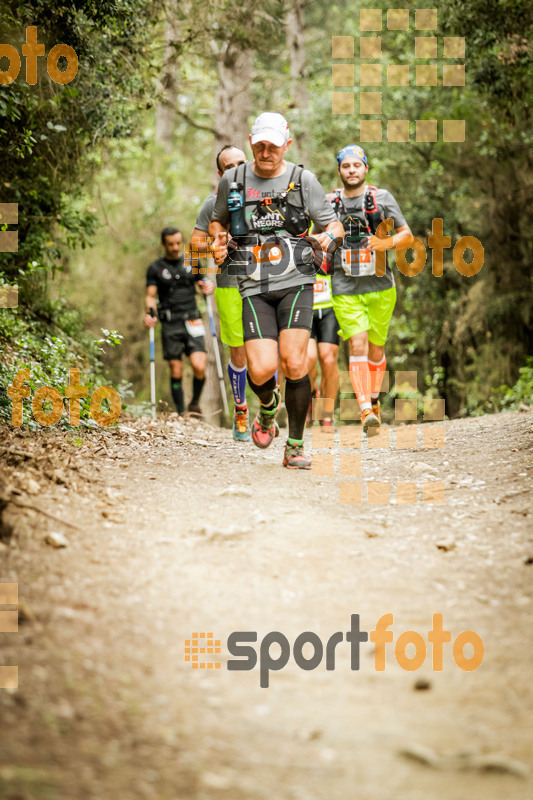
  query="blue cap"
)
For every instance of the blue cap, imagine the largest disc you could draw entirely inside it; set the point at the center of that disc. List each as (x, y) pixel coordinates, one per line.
(354, 151)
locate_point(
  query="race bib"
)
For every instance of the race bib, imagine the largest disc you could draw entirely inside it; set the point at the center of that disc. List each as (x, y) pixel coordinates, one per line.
(321, 292)
(195, 327)
(271, 259)
(359, 263)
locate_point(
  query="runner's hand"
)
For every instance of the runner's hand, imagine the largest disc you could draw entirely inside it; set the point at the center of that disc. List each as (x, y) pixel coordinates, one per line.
(324, 240)
(207, 287)
(220, 247)
(375, 243)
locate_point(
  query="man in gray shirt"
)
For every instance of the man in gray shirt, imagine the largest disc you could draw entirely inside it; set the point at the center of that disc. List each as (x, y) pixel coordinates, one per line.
(363, 298)
(275, 270)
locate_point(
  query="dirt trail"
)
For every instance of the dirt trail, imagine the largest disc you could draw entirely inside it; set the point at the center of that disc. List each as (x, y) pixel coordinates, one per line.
(179, 529)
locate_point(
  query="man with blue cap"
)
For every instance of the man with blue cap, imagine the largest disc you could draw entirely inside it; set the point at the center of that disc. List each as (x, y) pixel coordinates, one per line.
(363, 298)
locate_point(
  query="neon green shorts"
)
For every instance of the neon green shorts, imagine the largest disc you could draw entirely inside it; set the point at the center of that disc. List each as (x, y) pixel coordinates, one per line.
(370, 312)
(229, 305)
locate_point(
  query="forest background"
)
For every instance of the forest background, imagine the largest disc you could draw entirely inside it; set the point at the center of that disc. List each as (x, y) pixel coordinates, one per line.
(100, 165)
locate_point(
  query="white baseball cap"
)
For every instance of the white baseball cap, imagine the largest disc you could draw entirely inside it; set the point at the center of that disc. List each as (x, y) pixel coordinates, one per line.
(270, 127)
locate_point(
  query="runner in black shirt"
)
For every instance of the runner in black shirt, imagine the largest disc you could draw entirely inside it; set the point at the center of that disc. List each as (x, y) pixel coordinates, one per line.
(170, 292)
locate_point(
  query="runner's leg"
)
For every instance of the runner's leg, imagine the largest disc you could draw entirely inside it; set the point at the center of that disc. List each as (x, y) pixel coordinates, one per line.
(198, 364)
(359, 372)
(176, 372)
(327, 356)
(293, 345)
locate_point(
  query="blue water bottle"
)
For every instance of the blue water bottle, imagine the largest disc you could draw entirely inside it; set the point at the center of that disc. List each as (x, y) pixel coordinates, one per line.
(237, 226)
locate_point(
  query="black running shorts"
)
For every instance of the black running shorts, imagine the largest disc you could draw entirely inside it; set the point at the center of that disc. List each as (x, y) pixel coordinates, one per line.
(177, 340)
(265, 315)
(325, 326)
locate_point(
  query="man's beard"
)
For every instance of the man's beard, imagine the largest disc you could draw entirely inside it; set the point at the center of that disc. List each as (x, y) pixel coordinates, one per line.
(353, 185)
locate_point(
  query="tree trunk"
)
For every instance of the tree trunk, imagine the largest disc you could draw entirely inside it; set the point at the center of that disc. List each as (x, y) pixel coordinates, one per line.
(165, 115)
(294, 31)
(233, 98)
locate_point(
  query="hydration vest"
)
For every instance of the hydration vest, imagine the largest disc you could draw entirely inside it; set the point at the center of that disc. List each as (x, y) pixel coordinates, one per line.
(285, 211)
(370, 207)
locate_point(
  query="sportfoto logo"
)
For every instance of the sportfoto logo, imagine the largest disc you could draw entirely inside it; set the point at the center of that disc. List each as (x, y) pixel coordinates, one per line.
(275, 649)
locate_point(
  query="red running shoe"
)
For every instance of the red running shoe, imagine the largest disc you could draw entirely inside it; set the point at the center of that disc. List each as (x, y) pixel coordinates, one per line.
(264, 426)
(295, 458)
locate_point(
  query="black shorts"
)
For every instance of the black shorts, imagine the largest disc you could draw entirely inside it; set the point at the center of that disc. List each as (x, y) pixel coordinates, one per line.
(325, 326)
(177, 340)
(265, 315)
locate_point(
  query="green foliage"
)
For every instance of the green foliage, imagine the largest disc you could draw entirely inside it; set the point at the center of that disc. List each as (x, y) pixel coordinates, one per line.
(47, 129)
(49, 352)
(511, 398)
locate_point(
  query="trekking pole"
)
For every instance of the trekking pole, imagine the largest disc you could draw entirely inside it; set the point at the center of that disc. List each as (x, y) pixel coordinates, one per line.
(152, 364)
(217, 354)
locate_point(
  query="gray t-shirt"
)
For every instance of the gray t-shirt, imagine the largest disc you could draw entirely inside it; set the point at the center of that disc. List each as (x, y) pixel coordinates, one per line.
(223, 278)
(354, 262)
(287, 261)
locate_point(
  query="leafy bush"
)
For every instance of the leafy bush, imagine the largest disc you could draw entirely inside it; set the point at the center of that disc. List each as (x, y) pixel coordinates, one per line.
(49, 351)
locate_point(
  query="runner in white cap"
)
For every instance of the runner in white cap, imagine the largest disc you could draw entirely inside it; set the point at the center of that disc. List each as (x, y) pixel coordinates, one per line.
(276, 270)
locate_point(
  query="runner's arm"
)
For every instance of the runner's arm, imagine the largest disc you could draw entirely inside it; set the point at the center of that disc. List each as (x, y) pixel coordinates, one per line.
(402, 239)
